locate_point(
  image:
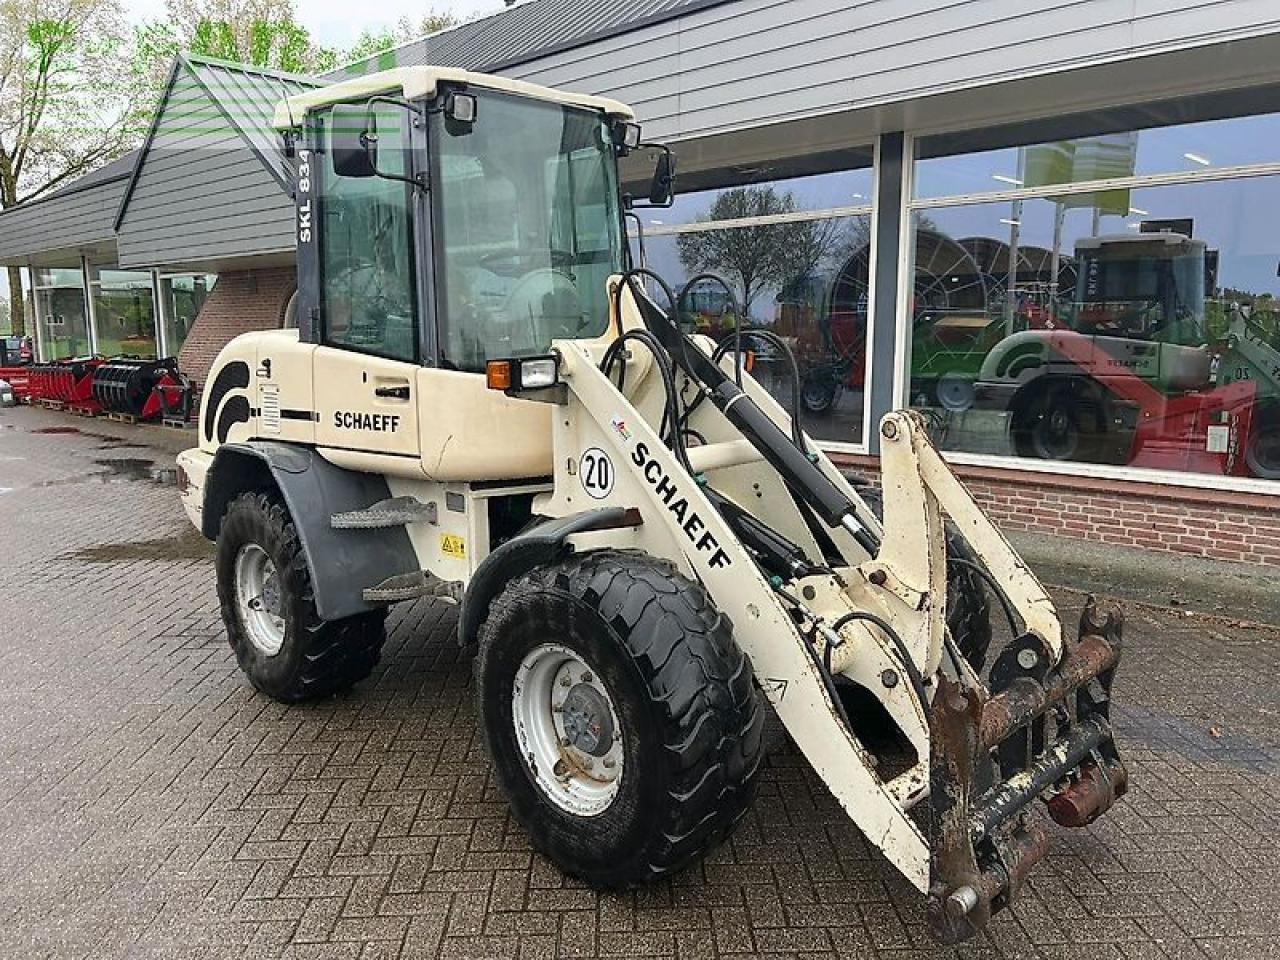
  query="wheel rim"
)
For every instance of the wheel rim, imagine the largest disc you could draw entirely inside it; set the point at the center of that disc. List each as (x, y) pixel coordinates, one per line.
(955, 394)
(567, 729)
(1055, 434)
(260, 600)
(818, 394)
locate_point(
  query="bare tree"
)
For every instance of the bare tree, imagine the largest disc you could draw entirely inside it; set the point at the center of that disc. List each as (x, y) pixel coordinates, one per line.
(758, 256)
(68, 102)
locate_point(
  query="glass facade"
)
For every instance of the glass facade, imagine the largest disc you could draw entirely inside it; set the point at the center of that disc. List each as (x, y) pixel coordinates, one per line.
(124, 312)
(1134, 325)
(61, 313)
(181, 299)
(796, 254)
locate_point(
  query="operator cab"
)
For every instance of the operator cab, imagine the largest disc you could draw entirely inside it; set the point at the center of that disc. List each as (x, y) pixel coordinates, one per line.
(455, 218)
(446, 219)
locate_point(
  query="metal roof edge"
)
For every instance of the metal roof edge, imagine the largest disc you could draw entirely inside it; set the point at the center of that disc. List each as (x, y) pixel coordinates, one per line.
(230, 117)
(652, 20)
(69, 190)
(178, 63)
(586, 40)
(203, 60)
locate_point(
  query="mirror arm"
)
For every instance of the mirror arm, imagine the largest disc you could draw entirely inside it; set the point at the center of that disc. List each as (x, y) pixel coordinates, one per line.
(419, 117)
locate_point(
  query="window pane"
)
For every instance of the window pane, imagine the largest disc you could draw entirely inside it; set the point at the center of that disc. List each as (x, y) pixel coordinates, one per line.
(58, 277)
(1074, 333)
(183, 299)
(826, 191)
(366, 252)
(125, 313)
(64, 324)
(528, 224)
(1188, 147)
(807, 281)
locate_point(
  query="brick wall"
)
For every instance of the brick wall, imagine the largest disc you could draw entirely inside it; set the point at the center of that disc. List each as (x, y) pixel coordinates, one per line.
(1203, 523)
(240, 302)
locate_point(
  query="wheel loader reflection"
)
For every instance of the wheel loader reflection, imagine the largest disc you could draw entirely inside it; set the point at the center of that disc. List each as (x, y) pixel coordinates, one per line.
(1135, 375)
(645, 545)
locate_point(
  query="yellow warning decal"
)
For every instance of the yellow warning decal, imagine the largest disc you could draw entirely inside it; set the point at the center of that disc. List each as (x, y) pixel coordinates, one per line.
(452, 545)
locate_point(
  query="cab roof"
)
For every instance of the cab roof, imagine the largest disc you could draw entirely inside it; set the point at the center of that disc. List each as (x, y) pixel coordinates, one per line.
(415, 83)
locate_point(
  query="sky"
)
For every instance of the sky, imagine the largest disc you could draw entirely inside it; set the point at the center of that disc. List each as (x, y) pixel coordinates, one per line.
(331, 21)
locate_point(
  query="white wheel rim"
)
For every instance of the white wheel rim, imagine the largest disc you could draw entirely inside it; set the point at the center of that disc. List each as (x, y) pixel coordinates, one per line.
(567, 729)
(259, 598)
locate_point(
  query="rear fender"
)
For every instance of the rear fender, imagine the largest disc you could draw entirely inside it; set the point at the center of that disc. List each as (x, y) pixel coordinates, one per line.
(342, 562)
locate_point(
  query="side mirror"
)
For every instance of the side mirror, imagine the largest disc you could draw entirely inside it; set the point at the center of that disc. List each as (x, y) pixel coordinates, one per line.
(353, 146)
(663, 189)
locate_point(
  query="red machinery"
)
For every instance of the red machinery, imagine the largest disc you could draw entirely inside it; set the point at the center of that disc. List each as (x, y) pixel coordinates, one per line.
(65, 381)
(138, 388)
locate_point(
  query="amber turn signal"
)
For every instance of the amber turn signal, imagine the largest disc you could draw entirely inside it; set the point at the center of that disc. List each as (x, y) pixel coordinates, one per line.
(498, 374)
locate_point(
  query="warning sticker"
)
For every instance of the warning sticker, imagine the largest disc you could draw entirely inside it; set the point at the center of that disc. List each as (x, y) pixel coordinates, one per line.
(452, 545)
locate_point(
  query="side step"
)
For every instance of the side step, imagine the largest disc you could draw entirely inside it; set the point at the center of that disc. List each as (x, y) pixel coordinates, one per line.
(412, 586)
(395, 512)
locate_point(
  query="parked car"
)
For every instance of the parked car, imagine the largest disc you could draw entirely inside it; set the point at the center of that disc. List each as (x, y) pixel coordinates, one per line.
(7, 399)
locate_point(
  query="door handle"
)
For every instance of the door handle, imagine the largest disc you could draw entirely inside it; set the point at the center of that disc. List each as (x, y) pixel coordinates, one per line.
(396, 393)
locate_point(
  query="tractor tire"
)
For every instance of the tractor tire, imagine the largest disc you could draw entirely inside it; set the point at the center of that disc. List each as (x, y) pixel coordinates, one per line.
(818, 393)
(1262, 449)
(651, 756)
(1048, 427)
(268, 606)
(968, 606)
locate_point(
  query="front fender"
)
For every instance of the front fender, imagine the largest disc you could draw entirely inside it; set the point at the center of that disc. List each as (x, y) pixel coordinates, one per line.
(532, 548)
(342, 562)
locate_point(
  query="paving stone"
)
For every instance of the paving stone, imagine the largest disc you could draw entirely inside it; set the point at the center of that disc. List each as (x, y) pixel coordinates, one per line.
(152, 804)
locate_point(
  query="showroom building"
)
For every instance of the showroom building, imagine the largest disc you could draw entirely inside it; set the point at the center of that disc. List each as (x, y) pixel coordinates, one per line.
(1046, 225)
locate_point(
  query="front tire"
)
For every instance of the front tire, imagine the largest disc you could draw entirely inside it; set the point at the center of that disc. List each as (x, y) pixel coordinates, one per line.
(621, 717)
(268, 607)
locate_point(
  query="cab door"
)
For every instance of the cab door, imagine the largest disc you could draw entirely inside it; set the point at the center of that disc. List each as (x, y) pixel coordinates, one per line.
(365, 403)
(366, 365)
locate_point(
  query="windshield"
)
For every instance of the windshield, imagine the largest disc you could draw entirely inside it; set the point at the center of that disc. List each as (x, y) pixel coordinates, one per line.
(527, 228)
(1139, 293)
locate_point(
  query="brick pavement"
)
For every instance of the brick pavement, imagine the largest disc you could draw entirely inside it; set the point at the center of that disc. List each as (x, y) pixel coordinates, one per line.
(153, 805)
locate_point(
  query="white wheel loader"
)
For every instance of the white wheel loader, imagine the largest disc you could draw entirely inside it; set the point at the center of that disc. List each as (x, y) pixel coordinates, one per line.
(484, 404)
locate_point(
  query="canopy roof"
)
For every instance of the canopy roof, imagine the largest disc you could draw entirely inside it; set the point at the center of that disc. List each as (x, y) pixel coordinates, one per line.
(414, 83)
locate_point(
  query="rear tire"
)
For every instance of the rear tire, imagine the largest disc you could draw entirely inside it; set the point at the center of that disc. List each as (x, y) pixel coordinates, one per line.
(670, 702)
(268, 606)
(1262, 449)
(1048, 428)
(968, 606)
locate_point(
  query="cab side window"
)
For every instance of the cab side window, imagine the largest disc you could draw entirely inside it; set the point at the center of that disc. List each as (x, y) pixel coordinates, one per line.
(366, 251)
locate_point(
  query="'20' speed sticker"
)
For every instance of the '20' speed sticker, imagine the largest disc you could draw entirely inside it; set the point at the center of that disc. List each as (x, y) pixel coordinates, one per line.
(597, 473)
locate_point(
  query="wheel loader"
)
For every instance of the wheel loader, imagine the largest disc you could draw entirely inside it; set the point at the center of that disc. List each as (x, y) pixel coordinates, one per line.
(486, 403)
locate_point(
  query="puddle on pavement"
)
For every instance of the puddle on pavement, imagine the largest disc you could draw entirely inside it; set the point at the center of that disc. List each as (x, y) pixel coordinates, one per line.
(108, 440)
(188, 545)
(120, 470)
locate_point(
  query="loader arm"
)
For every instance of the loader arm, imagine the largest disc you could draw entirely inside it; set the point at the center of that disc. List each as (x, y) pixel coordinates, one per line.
(955, 819)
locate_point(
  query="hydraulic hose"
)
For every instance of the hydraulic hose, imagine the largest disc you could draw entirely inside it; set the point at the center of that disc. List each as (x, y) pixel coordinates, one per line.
(908, 665)
(733, 302)
(671, 410)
